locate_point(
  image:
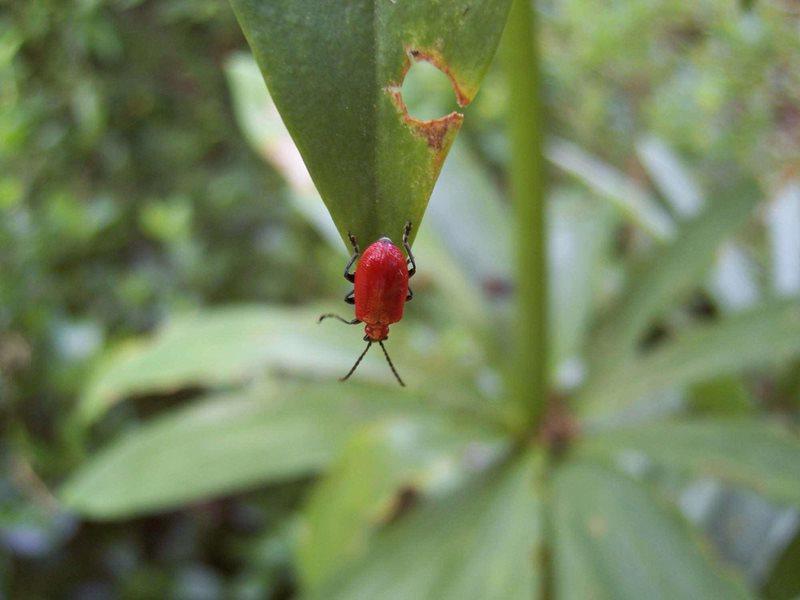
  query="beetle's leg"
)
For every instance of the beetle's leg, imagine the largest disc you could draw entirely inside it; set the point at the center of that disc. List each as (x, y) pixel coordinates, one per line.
(410, 295)
(351, 277)
(347, 274)
(412, 266)
(353, 242)
(338, 318)
(351, 297)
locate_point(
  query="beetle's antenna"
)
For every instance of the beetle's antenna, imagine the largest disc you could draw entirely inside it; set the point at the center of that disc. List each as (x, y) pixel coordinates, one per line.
(355, 366)
(389, 360)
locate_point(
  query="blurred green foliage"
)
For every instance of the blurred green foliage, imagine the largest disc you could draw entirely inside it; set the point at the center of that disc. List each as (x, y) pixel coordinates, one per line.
(128, 193)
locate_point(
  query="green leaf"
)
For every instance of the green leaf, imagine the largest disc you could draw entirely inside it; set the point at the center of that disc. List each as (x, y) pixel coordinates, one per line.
(481, 542)
(670, 274)
(627, 196)
(218, 347)
(763, 337)
(614, 540)
(464, 204)
(579, 241)
(340, 95)
(756, 455)
(223, 445)
(362, 490)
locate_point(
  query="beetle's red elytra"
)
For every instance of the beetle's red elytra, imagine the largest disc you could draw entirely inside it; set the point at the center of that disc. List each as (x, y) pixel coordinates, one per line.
(380, 291)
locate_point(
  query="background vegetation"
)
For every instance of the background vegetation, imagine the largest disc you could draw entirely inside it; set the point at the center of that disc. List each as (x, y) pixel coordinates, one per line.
(141, 178)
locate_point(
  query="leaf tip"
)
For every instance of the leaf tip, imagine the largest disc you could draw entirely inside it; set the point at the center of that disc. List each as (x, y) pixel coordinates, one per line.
(438, 133)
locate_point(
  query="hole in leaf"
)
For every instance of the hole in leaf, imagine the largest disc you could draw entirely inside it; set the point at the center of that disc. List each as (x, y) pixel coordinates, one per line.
(427, 92)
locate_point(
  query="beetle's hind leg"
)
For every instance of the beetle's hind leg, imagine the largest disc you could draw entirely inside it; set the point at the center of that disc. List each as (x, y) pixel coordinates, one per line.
(412, 265)
(410, 295)
(351, 297)
(338, 318)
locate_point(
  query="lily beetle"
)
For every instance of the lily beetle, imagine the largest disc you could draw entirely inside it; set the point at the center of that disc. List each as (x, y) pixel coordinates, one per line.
(380, 291)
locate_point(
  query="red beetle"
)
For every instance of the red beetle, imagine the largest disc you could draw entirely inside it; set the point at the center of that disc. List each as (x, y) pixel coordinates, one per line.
(380, 290)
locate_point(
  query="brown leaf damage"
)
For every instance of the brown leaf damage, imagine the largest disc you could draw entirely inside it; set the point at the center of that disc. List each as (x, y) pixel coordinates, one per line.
(436, 132)
(437, 61)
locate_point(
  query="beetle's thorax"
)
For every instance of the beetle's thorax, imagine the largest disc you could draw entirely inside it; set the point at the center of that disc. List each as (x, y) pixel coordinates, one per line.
(377, 332)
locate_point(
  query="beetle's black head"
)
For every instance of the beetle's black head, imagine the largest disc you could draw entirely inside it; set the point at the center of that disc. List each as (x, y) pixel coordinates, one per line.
(385, 239)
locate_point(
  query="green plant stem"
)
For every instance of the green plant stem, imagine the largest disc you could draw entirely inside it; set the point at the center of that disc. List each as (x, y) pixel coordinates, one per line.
(528, 377)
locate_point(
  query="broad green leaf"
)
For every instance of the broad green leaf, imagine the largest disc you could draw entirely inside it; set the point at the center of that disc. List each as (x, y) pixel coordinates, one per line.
(223, 445)
(217, 347)
(480, 543)
(613, 540)
(397, 456)
(579, 243)
(464, 207)
(747, 530)
(628, 197)
(763, 337)
(756, 455)
(340, 94)
(671, 273)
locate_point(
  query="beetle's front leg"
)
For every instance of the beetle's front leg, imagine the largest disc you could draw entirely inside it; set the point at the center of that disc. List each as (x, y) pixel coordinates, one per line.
(412, 266)
(351, 277)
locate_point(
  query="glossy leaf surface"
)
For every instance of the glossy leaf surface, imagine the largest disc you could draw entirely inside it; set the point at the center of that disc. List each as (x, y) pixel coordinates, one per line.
(614, 540)
(222, 445)
(340, 95)
(756, 455)
(218, 347)
(769, 335)
(391, 463)
(670, 273)
(479, 543)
